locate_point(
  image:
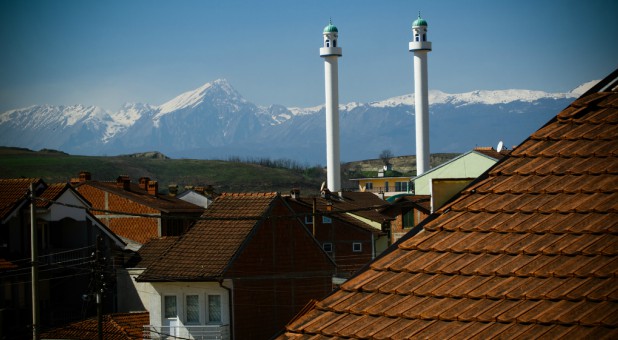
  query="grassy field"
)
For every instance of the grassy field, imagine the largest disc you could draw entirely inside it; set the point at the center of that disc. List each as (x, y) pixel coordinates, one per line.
(224, 176)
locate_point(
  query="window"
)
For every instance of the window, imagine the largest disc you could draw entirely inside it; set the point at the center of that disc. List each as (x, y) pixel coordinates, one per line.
(424, 37)
(328, 247)
(335, 43)
(193, 309)
(357, 247)
(416, 37)
(327, 43)
(308, 219)
(369, 185)
(170, 306)
(326, 219)
(408, 219)
(214, 308)
(401, 186)
(385, 186)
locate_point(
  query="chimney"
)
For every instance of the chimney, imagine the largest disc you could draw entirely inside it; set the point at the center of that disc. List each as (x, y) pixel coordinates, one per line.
(143, 183)
(84, 176)
(153, 188)
(295, 193)
(173, 190)
(123, 182)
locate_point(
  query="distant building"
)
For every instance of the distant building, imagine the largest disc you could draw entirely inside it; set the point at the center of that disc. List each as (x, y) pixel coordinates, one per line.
(349, 239)
(137, 212)
(447, 179)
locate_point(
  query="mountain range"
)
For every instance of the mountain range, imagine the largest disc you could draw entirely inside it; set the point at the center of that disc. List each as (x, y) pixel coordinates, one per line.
(214, 121)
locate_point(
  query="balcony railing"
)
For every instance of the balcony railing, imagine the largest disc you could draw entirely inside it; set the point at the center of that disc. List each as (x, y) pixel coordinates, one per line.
(202, 332)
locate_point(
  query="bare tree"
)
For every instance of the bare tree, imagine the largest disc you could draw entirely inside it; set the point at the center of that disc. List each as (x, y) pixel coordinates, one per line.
(386, 156)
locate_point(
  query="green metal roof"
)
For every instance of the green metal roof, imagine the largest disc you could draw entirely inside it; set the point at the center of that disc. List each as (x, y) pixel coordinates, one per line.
(330, 28)
(419, 22)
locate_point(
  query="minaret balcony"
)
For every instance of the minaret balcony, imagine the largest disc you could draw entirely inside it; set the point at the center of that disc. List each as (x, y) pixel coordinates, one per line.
(420, 46)
(330, 51)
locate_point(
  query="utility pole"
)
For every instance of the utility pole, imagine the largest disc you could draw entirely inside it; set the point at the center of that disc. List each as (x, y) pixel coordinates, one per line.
(99, 260)
(35, 266)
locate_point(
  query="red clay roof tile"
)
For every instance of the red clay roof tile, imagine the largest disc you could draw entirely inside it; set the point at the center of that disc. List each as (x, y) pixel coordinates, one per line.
(528, 251)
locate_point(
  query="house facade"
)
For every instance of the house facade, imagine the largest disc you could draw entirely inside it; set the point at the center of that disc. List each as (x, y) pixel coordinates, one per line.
(467, 166)
(241, 272)
(66, 237)
(350, 241)
(408, 212)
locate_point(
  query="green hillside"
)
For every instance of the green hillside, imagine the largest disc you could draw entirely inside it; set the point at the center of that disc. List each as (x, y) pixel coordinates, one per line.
(225, 176)
(53, 167)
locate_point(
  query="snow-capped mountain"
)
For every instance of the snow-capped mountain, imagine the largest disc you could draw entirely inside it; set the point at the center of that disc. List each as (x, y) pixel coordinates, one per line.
(215, 121)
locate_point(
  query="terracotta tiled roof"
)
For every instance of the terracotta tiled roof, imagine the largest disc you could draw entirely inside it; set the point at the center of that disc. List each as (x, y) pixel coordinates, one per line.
(120, 326)
(206, 250)
(528, 251)
(151, 251)
(321, 207)
(51, 193)
(421, 201)
(359, 201)
(164, 203)
(13, 192)
(491, 152)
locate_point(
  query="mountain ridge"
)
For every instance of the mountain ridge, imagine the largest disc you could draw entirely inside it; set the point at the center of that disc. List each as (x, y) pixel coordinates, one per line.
(215, 121)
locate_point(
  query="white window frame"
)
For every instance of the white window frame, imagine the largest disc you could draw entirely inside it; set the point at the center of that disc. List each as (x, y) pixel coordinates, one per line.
(354, 246)
(165, 315)
(199, 320)
(327, 245)
(208, 316)
(326, 220)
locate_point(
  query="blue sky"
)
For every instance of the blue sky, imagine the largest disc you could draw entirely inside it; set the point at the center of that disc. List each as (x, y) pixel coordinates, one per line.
(106, 53)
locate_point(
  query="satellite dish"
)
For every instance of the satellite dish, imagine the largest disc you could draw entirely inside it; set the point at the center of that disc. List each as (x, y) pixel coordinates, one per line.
(322, 186)
(500, 146)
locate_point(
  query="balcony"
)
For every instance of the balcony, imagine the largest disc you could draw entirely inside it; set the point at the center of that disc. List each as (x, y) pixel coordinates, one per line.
(202, 332)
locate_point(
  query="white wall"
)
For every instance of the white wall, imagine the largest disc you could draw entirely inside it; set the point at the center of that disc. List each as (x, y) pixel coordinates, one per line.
(181, 290)
(470, 165)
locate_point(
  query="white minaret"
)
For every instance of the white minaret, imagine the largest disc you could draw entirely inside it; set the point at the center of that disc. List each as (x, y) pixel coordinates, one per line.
(330, 52)
(420, 46)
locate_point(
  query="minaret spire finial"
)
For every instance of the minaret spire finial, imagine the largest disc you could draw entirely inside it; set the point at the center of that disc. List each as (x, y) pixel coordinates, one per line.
(419, 14)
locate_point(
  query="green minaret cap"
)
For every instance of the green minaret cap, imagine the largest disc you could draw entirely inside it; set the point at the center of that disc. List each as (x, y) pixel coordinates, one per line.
(420, 21)
(330, 28)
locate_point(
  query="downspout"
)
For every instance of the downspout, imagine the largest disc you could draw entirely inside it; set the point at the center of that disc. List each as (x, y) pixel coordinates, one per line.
(373, 247)
(230, 293)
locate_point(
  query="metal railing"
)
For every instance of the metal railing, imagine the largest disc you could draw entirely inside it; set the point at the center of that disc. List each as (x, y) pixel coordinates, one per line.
(197, 332)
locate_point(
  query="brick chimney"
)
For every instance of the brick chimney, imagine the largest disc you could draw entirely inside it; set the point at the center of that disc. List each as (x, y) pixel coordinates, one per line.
(143, 183)
(84, 176)
(123, 182)
(153, 188)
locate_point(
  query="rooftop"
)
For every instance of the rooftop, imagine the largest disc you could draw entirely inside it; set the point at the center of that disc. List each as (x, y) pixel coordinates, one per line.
(528, 250)
(205, 251)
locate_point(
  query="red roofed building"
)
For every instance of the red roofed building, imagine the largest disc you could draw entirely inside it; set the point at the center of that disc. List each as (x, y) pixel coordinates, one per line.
(119, 326)
(137, 212)
(528, 250)
(66, 234)
(242, 271)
